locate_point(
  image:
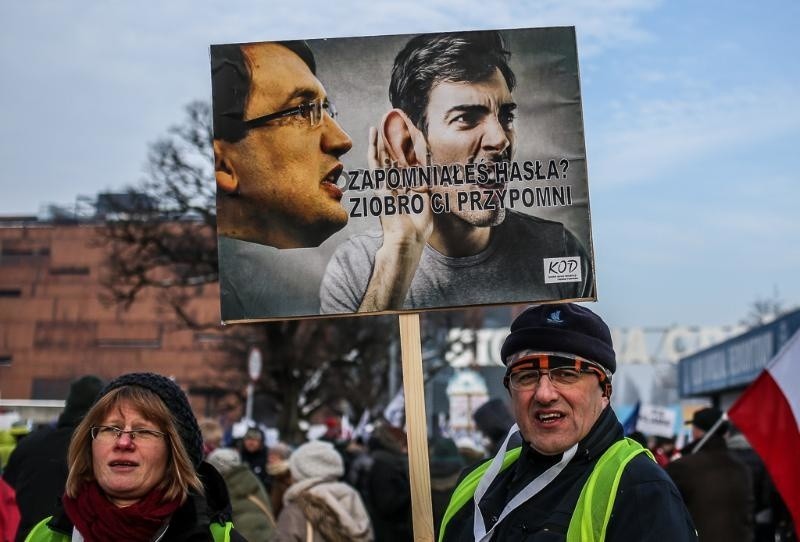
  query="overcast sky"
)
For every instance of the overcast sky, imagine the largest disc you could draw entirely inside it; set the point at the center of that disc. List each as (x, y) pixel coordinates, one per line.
(690, 109)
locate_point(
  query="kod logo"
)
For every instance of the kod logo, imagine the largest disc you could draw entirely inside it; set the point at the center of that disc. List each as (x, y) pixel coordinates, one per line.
(566, 269)
(563, 266)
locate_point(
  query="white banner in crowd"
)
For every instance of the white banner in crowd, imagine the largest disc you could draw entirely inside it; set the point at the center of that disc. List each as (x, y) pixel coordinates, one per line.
(656, 421)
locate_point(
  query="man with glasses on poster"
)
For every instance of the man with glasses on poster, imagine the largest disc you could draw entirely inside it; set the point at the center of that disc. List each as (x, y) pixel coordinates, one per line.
(452, 104)
(276, 146)
(574, 477)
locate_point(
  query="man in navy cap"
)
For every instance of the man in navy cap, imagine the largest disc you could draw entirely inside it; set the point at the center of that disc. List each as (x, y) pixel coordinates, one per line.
(575, 477)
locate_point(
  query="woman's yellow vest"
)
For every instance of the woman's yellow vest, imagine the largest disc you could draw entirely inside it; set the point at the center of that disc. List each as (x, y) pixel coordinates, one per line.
(42, 533)
(590, 518)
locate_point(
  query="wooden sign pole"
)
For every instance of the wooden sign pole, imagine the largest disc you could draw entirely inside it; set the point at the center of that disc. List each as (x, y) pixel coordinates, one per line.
(414, 391)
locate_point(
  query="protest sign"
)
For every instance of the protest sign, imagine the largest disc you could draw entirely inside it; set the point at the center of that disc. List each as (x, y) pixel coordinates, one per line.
(454, 173)
(656, 421)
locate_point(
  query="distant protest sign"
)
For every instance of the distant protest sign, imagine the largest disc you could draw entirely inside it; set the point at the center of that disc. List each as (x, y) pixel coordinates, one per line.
(656, 421)
(400, 173)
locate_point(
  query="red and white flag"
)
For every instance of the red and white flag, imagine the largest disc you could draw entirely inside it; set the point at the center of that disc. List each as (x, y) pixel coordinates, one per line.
(768, 413)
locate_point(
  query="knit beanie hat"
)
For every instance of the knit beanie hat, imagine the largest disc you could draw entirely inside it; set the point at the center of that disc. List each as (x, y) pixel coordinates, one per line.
(705, 418)
(316, 459)
(565, 327)
(224, 459)
(176, 403)
(82, 393)
(444, 457)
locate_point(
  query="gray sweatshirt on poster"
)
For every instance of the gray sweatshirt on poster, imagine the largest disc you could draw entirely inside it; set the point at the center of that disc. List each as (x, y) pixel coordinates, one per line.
(510, 270)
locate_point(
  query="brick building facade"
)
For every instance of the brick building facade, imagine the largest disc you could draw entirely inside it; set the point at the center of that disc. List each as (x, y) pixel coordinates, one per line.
(55, 326)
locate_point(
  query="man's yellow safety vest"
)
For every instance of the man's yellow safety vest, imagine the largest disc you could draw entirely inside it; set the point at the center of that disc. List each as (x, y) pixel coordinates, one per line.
(590, 518)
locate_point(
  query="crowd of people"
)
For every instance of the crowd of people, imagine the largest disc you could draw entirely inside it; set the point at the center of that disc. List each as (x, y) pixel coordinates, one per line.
(129, 460)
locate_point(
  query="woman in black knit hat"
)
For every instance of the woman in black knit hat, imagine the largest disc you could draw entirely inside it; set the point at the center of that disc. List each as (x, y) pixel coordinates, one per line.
(136, 471)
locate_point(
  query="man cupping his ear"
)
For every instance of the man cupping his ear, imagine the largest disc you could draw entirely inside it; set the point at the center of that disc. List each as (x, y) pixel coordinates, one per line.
(451, 105)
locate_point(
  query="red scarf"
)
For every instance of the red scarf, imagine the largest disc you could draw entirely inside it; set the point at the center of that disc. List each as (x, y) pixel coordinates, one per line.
(100, 520)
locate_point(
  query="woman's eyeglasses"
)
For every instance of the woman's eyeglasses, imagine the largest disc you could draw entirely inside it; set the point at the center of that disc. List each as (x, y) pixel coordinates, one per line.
(109, 433)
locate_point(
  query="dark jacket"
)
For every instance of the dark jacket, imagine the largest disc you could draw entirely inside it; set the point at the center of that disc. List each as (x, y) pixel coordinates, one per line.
(441, 490)
(647, 507)
(718, 491)
(389, 506)
(257, 461)
(37, 470)
(190, 523)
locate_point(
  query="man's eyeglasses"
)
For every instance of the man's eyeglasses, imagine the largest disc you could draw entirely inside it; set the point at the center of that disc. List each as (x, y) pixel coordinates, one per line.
(525, 380)
(108, 434)
(312, 111)
(526, 369)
